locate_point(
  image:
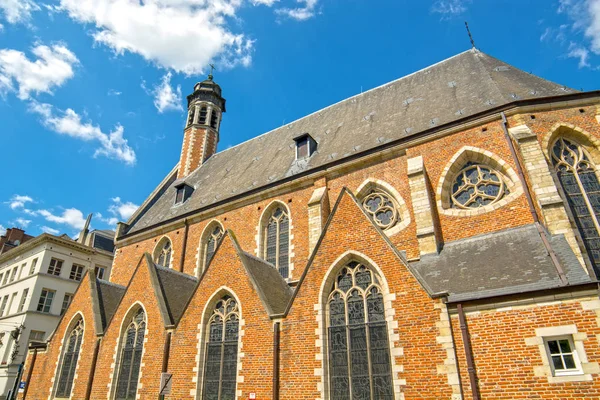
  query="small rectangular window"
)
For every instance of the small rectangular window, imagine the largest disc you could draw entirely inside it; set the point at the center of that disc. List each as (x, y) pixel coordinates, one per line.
(76, 272)
(100, 272)
(36, 336)
(3, 305)
(202, 119)
(1, 275)
(303, 148)
(10, 303)
(563, 356)
(13, 274)
(23, 300)
(55, 267)
(45, 300)
(32, 268)
(179, 195)
(22, 271)
(6, 275)
(66, 303)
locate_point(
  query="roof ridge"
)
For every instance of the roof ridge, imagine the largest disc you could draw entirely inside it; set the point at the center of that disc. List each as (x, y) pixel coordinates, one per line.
(178, 273)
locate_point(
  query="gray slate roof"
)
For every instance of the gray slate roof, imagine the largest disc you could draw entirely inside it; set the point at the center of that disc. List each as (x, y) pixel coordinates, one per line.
(502, 263)
(109, 297)
(177, 288)
(461, 86)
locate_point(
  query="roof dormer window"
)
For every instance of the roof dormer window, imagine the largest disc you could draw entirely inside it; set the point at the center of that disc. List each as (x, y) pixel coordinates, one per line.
(183, 192)
(305, 146)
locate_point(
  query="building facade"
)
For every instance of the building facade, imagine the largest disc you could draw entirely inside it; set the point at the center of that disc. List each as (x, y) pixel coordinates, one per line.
(432, 238)
(38, 280)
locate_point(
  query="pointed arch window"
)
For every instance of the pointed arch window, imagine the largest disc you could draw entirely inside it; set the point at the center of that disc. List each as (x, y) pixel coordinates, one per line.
(131, 357)
(477, 185)
(579, 182)
(277, 241)
(70, 357)
(163, 252)
(220, 367)
(211, 243)
(359, 356)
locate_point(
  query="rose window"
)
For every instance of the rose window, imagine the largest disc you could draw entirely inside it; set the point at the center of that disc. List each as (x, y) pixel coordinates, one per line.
(382, 208)
(477, 186)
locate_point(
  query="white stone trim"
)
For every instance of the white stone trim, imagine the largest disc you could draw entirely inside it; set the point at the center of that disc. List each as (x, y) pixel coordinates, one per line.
(200, 267)
(476, 155)
(198, 370)
(396, 350)
(78, 315)
(564, 129)
(372, 183)
(264, 216)
(446, 341)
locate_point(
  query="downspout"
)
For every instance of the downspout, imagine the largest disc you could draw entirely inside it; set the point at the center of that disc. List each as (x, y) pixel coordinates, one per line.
(468, 352)
(536, 219)
(30, 372)
(166, 351)
(88, 391)
(185, 237)
(276, 340)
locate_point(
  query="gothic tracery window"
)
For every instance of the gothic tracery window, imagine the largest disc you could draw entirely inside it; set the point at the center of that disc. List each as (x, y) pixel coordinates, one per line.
(162, 254)
(359, 357)
(220, 368)
(382, 208)
(578, 179)
(69, 361)
(211, 242)
(477, 185)
(277, 241)
(131, 357)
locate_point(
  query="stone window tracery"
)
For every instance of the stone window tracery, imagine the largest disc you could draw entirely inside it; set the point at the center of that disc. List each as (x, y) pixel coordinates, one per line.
(579, 182)
(358, 344)
(382, 208)
(211, 243)
(277, 241)
(163, 253)
(477, 185)
(131, 357)
(220, 367)
(69, 361)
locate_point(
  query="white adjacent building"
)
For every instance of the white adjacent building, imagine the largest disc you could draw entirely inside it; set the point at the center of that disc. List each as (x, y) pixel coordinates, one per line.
(37, 281)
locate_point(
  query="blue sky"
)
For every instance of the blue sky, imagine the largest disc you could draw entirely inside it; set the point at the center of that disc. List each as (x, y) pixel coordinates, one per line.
(92, 92)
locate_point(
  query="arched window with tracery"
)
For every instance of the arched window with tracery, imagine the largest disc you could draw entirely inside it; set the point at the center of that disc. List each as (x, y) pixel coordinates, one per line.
(277, 240)
(211, 242)
(131, 356)
(220, 366)
(70, 357)
(359, 356)
(579, 182)
(162, 254)
(382, 207)
(477, 185)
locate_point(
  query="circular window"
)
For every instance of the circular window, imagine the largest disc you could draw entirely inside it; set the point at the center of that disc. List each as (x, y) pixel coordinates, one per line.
(477, 186)
(382, 209)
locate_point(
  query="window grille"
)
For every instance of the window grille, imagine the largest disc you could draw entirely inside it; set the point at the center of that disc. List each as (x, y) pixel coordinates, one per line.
(211, 244)
(477, 186)
(277, 241)
(45, 301)
(131, 357)
(55, 267)
(76, 272)
(69, 361)
(163, 258)
(220, 368)
(359, 357)
(579, 182)
(382, 208)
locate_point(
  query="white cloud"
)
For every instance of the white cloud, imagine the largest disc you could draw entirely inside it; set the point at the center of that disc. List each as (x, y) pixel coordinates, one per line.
(52, 68)
(47, 229)
(112, 144)
(593, 29)
(450, 7)
(19, 201)
(22, 222)
(2, 230)
(302, 13)
(584, 16)
(580, 53)
(165, 97)
(113, 92)
(18, 10)
(124, 211)
(181, 35)
(71, 217)
(267, 3)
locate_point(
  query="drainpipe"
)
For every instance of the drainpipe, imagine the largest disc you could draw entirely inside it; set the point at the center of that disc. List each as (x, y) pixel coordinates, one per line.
(536, 219)
(276, 340)
(166, 351)
(468, 352)
(183, 248)
(88, 391)
(30, 372)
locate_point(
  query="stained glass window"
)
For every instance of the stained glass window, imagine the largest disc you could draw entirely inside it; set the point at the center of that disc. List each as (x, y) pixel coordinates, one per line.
(359, 356)
(163, 255)
(131, 357)
(69, 361)
(220, 367)
(382, 208)
(578, 179)
(211, 243)
(277, 241)
(476, 186)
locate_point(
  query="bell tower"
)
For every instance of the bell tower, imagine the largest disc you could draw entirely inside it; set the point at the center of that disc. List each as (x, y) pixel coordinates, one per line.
(201, 133)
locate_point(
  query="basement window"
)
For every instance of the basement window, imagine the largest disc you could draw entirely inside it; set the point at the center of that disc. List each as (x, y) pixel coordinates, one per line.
(305, 146)
(183, 192)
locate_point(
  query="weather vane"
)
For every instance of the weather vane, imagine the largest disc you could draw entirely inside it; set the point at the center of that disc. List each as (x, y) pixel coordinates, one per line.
(212, 68)
(470, 36)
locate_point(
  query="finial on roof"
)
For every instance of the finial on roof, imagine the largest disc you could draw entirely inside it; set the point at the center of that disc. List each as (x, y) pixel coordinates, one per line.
(470, 36)
(212, 68)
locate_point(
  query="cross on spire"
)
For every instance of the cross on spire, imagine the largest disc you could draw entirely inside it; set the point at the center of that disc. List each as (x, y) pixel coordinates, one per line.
(470, 36)
(212, 68)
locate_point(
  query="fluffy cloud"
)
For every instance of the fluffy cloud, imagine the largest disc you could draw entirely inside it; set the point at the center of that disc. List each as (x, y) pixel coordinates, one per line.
(165, 97)
(19, 201)
(22, 222)
(47, 229)
(112, 144)
(302, 13)
(2, 230)
(580, 53)
(450, 7)
(181, 35)
(18, 10)
(71, 217)
(122, 210)
(584, 16)
(52, 68)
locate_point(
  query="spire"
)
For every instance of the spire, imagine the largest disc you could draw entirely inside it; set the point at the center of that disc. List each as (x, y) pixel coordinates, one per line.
(86, 229)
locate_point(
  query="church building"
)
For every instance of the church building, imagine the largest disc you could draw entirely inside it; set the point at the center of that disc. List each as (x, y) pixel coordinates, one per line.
(437, 237)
